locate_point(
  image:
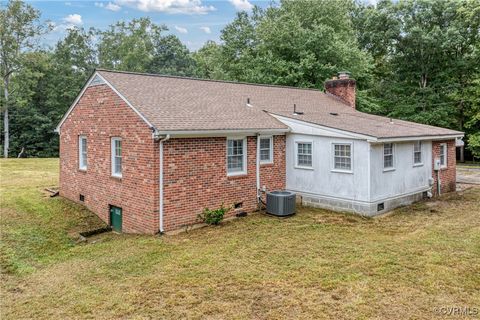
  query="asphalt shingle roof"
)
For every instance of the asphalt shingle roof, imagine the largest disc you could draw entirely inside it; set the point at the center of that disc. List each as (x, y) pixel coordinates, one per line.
(187, 104)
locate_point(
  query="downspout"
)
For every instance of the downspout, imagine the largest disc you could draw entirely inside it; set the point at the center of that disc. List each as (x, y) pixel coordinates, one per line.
(258, 171)
(161, 141)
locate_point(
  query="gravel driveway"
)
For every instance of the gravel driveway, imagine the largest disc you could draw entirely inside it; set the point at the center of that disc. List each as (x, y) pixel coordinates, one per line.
(468, 175)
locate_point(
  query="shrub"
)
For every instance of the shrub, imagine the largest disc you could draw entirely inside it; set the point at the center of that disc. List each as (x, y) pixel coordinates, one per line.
(213, 217)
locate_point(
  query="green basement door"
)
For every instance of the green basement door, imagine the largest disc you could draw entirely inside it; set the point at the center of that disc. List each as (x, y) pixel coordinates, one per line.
(116, 218)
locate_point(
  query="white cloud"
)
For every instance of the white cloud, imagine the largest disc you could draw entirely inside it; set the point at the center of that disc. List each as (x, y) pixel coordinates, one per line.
(206, 29)
(242, 5)
(109, 6)
(181, 30)
(168, 6)
(68, 3)
(73, 19)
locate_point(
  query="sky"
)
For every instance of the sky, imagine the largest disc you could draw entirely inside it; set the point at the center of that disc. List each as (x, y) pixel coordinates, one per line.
(193, 21)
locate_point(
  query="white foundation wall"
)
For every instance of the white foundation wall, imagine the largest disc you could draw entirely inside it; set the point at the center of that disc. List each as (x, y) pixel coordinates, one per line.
(322, 186)
(406, 179)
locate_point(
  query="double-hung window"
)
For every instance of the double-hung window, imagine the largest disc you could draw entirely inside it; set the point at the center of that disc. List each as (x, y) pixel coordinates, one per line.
(342, 156)
(304, 155)
(388, 156)
(236, 156)
(417, 153)
(82, 153)
(443, 155)
(266, 149)
(116, 157)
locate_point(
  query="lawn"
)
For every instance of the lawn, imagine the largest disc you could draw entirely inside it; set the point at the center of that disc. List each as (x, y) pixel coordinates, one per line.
(317, 264)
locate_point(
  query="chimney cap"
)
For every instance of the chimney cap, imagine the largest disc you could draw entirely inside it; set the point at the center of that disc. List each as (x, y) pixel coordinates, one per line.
(343, 74)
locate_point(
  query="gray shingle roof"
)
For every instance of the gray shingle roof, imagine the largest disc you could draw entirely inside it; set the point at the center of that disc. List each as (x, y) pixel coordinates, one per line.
(187, 104)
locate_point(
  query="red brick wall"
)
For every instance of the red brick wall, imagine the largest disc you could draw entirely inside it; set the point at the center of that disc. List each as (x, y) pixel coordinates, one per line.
(448, 174)
(195, 177)
(195, 174)
(344, 89)
(99, 115)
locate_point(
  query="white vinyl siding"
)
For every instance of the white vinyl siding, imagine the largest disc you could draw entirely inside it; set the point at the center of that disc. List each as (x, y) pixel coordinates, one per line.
(304, 155)
(82, 152)
(266, 149)
(236, 156)
(417, 153)
(342, 157)
(388, 156)
(116, 157)
(443, 155)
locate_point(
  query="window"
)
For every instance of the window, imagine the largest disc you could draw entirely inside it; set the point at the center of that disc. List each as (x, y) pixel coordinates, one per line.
(342, 156)
(417, 153)
(304, 154)
(117, 157)
(266, 149)
(236, 156)
(82, 153)
(443, 155)
(388, 156)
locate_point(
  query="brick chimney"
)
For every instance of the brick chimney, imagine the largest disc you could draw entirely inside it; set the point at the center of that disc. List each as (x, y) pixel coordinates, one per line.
(343, 87)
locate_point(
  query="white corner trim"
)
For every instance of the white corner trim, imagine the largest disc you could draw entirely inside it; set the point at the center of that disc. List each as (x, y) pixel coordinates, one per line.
(87, 84)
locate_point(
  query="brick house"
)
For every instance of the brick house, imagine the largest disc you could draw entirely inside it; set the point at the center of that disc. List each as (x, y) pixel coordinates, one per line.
(147, 153)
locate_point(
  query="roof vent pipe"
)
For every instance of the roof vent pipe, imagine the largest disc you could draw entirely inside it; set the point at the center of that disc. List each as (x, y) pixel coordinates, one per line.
(248, 103)
(295, 112)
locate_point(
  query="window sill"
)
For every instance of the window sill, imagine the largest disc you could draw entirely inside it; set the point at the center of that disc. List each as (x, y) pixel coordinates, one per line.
(237, 176)
(303, 168)
(341, 171)
(266, 164)
(119, 178)
(388, 169)
(82, 170)
(418, 165)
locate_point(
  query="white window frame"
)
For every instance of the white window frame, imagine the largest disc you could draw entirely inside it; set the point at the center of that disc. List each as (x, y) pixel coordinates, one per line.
(269, 161)
(82, 139)
(445, 156)
(418, 164)
(333, 157)
(244, 158)
(113, 157)
(296, 154)
(392, 168)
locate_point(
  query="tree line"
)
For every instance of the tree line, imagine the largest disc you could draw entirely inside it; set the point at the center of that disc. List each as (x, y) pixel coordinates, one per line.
(417, 60)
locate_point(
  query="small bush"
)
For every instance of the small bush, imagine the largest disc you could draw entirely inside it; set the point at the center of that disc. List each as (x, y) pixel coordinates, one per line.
(213, 217)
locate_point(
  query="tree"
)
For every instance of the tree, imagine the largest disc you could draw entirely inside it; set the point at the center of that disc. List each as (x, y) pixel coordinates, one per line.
(171, 57)
(129, 46)
(208, 61)
(19, 23)
(427, 61)
(299, 43)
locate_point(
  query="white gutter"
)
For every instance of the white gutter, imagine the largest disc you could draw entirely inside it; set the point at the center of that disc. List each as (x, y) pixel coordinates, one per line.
(222, 133)
(161, 182)
(399, 139)
(258, 167)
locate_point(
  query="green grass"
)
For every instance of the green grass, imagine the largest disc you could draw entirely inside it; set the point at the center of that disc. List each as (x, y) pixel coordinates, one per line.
(317, 264)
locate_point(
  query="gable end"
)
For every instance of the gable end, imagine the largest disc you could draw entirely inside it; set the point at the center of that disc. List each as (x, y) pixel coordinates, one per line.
(95, 80)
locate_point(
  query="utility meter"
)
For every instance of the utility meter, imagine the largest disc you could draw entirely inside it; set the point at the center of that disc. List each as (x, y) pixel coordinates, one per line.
(436, 164)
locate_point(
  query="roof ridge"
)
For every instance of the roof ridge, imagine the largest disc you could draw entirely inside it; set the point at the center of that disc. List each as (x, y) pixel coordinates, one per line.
(211, 80)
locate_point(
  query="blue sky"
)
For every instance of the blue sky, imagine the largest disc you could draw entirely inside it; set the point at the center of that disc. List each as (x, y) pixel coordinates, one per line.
(193, 21)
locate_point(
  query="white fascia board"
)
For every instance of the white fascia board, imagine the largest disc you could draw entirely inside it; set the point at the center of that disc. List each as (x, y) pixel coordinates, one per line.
(87, 84)
(319, 130)
(417, 138)
(222, 133)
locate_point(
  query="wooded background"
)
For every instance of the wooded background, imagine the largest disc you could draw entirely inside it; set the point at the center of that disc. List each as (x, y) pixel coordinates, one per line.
(413, 60)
